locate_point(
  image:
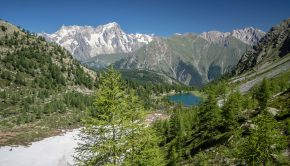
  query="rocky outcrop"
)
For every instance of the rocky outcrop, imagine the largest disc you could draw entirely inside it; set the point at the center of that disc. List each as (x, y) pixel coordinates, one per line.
(274, 45)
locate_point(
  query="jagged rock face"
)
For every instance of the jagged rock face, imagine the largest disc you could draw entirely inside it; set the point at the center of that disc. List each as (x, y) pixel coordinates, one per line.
(248, 35)
(188, 58)
(274, 45)
(86, 41)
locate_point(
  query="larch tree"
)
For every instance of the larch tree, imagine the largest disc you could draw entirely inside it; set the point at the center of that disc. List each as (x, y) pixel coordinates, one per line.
(209, 118)
(263, 94)
(264, 144)
(114, 132)
(231, 109)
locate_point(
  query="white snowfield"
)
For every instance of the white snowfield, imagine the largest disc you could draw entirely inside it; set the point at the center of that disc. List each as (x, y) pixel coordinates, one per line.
(87, 41)
(53, 151)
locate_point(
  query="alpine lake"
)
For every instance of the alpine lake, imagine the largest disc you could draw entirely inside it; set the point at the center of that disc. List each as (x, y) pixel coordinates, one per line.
(186, 99)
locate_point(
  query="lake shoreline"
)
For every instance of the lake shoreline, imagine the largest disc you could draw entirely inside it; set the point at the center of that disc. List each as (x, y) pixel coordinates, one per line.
(186, 99)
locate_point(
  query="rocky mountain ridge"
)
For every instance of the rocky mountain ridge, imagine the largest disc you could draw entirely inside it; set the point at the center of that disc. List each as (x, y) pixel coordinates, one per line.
(268, 59)
(188, 58)
(273, 46)
(247, 35)
(87, 41)
(192, 59)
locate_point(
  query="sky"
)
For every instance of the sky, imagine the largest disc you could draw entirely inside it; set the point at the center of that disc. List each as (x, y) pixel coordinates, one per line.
(159, 17)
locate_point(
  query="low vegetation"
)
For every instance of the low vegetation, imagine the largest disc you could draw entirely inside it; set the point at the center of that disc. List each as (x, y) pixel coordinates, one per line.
(38, 83)
(44, 91)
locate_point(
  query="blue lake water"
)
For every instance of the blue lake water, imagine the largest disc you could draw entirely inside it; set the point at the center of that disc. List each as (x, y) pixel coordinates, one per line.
(186, 99)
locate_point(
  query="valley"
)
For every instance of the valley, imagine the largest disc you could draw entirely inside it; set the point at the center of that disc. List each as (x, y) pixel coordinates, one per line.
(213, 98)
(182, 57)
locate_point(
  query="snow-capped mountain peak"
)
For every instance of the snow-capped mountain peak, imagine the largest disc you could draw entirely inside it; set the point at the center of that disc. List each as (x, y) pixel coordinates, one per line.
(87, 41)
(111, 25)
(247, 35)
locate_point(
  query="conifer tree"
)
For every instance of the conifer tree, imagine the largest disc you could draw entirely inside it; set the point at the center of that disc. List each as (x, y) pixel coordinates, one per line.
(114, 132)
(263, 94)
(209, 118)
(231, 109)
(264, 143)
(173, 157)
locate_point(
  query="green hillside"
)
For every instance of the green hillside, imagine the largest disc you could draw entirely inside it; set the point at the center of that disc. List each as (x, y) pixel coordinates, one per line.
(243, 118)
(188, 58)
(234, 128)
(42, 89)
(102, 61)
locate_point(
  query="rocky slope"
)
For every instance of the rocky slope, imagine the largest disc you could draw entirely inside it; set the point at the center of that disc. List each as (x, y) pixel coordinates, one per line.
(86, 41)
(274, 45)
(269, 58)
(188, 58)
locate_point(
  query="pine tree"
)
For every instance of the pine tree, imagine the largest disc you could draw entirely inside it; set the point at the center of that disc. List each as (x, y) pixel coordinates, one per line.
(115, 133)
(263, 94)
(19, 79)
(175, 124)
(103, 132)
(144, 150)
(141, 141)
(209, 118)
(223, 88)
(173, 157)
(264, 143)
(231, 109)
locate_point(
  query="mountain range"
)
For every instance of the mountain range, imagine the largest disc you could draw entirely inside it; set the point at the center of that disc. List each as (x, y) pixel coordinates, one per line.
(247, 35)
(191, 59)
(44, 90)
(86, 41)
